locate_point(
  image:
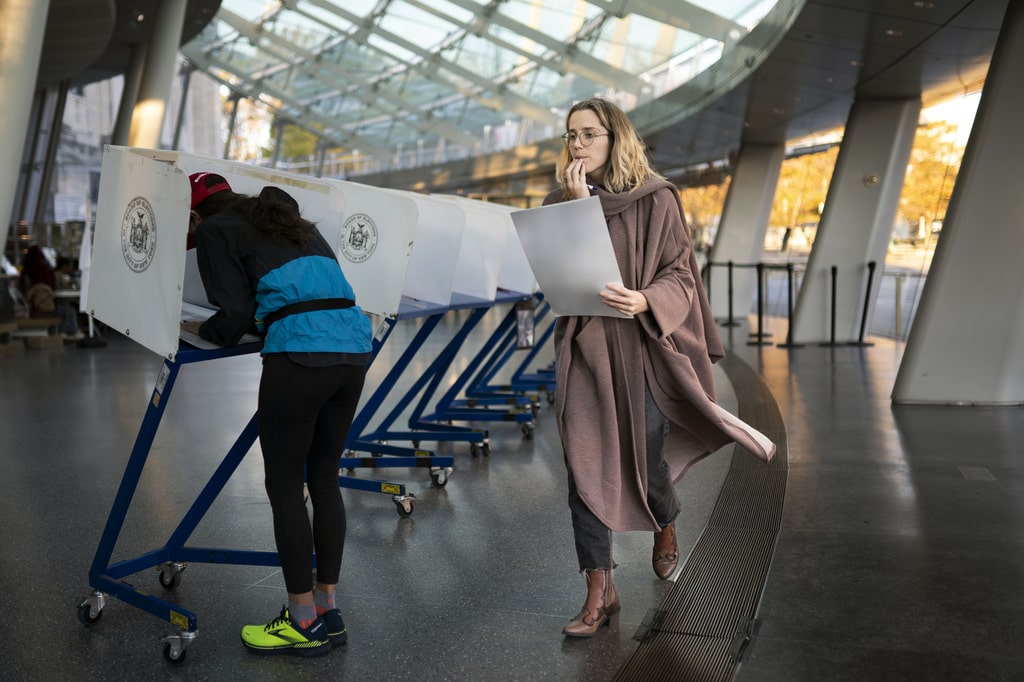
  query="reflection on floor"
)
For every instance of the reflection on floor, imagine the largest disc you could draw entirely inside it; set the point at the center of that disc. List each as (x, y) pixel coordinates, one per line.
(900, 554)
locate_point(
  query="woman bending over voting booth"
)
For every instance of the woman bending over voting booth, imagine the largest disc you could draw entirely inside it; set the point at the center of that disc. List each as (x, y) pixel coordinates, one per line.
(635, 404)
(270, 271)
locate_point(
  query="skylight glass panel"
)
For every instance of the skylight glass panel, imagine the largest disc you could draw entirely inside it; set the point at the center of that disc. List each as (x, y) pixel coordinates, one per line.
(428, 30)
(521, 42)
(560, 19)
(252, 9)
(458, 14)
(431, 73)
(330, 21)
(394, 52)
(483, 57)
(632, 43)
(244, 57)
(299, 29)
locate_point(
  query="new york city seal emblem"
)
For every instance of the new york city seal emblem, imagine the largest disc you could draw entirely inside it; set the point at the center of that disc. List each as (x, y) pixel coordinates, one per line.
(138, 234)
(358, 238)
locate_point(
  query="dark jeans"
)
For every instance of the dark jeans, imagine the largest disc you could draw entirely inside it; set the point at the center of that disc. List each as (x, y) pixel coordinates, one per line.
(304, 418)
(593, 538)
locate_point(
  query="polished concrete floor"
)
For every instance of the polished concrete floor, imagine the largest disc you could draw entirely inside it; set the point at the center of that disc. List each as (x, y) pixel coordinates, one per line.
(900, 554)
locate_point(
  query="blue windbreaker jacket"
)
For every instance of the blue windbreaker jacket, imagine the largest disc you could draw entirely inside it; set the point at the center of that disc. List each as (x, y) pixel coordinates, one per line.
(248, 276)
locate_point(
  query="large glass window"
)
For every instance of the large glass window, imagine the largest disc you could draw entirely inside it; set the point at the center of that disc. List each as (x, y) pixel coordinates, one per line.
(392, 77)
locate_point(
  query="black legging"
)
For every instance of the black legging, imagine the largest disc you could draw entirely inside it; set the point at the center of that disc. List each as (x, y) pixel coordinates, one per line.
(304, 418)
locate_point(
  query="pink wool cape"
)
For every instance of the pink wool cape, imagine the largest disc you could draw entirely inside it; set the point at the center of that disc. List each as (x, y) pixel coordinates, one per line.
(602, 364)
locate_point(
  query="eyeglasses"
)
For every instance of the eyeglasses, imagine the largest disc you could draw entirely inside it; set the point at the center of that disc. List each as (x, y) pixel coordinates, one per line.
(586, 138)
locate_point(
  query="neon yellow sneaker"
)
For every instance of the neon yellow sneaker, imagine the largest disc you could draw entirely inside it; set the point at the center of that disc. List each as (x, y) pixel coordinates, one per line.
(283, 636)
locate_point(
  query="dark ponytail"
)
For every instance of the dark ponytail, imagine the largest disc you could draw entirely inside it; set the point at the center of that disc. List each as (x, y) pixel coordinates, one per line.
(276, 214)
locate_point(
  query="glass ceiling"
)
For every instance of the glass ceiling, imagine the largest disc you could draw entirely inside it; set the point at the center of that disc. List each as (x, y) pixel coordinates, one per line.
(384, 77)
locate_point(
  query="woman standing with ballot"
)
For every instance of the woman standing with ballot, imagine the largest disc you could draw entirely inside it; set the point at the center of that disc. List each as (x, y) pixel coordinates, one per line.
(635, 404)
(270, 271)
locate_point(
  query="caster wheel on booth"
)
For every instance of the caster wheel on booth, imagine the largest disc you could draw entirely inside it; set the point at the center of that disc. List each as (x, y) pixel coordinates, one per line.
(86, 615)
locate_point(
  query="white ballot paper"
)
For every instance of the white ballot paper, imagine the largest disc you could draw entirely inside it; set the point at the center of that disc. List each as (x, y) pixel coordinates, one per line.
(193, 290)
(571, 255)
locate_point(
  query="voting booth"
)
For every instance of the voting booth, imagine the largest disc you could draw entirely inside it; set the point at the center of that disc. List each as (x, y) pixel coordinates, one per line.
(489, 268)
(516, 285)
(138, 255)
(495, 221)
(139, 283)
(138, 276)
(435, 253)
(407, 256)
(144, 288)
(452, 267)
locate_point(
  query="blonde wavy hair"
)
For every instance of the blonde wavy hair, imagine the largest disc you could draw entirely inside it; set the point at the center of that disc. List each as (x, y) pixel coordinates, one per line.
(628, 166)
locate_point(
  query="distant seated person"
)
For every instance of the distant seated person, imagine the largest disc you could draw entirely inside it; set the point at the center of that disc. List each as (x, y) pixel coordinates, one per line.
(65, 273)
(37, 283)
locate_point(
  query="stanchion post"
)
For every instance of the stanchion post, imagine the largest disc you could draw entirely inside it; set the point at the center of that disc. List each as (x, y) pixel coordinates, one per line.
(898, 306)
(789, 310)
(834, 270)
(864, 313)
(757, 338)
(731, 322)
(705, 276)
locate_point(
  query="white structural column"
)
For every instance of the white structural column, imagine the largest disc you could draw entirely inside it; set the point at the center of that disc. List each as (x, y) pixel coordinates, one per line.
(129, 95)
(22, 23)
(155, 88)
(741, 231)
(967, 341)
(857, 221)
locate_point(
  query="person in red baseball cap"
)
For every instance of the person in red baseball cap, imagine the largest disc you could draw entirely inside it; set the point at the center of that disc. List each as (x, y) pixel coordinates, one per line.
(204, 185)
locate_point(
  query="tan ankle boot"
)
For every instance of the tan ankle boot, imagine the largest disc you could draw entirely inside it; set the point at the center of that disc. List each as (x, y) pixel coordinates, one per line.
(665, 556)
(602, 602)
